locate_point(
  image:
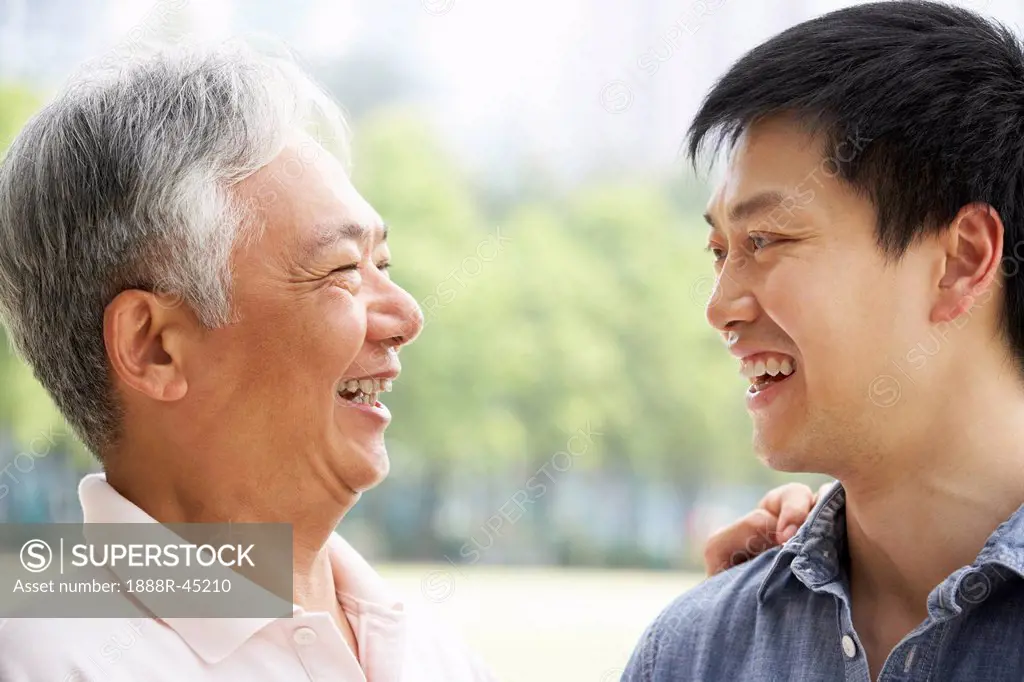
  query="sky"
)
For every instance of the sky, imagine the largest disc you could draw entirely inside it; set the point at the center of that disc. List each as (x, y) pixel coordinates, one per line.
(576, 84)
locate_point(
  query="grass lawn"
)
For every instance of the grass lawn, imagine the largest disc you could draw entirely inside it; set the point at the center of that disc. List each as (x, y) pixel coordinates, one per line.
(545, 624)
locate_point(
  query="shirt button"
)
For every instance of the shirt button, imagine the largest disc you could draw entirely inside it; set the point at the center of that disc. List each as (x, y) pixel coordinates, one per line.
(849, 647)
(304, 636)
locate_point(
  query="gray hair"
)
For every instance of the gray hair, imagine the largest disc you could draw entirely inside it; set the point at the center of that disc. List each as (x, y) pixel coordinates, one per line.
(124, 182)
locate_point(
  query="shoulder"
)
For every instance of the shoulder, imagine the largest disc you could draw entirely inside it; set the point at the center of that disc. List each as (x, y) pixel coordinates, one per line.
(73, 649)
(50, 648)
(433, 650)
(690, 637)
(727, 599)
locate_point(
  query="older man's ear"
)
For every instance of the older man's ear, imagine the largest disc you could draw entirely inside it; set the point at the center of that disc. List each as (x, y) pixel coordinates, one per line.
(775, 520)
(145, 337)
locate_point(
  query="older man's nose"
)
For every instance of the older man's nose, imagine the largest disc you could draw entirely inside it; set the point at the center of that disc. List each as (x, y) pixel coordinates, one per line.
(394, 316)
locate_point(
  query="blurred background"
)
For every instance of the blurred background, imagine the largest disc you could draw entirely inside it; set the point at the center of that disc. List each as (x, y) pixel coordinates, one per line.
(568, 429)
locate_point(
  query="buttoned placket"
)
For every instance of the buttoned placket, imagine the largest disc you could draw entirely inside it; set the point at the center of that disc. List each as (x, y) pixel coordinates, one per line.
(322, 650)
(855, 662)
(381, 640)
(921, 652)
(905, 663)
(911, 660)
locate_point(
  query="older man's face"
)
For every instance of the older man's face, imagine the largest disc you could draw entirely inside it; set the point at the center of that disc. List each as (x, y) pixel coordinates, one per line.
(320, 322)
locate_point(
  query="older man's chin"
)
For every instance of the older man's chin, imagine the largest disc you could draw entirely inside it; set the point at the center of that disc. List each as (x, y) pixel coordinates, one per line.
(364, 465)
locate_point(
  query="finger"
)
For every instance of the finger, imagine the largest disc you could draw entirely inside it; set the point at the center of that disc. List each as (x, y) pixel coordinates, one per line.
(782, 499)
(773, 499)
(740, 541)
(796, 505)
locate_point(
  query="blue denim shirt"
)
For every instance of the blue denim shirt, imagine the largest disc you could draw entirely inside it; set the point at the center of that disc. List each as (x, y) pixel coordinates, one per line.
(785, 615)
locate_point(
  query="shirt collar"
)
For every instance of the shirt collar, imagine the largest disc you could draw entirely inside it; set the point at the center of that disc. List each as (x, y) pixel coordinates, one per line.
(1006, 545)
(358, 585)
(814, 554)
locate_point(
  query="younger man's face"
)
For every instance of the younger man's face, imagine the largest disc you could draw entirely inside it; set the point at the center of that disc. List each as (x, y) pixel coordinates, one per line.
(802, 287)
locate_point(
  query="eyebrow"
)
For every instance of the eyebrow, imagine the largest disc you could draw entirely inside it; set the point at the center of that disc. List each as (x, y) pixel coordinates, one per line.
(746, 209)
(330, 233)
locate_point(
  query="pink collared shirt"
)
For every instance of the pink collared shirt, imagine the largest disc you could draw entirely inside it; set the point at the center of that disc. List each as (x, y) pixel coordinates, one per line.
(395, 643)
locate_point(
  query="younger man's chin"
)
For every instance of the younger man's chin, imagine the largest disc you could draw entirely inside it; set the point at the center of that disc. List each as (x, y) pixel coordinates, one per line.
(779, 458)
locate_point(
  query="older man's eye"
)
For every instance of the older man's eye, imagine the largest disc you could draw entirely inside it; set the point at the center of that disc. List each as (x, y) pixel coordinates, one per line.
(347, 277)
(351, 267)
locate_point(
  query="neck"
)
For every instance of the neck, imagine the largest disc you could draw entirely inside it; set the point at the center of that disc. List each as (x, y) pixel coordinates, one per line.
(912, 524)
(187, 496)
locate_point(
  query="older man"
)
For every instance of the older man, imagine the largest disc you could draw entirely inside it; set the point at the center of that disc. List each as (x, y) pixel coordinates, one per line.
(206, 297)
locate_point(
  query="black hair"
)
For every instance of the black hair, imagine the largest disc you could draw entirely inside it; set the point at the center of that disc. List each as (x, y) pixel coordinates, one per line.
(935, 95)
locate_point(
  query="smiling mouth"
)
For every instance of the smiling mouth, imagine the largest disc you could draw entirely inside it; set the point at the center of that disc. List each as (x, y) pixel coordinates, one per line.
(767, 369)
(363, 391)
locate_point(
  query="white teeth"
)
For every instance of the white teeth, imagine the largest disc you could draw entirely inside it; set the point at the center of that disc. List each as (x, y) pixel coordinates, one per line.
(366, 391)
(365, 398)
(771, 366)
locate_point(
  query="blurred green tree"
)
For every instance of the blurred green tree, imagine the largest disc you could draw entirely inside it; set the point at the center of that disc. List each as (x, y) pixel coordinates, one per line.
(560, 312)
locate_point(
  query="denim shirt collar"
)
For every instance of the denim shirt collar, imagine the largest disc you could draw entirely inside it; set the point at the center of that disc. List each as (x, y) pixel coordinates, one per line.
(814, 555)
